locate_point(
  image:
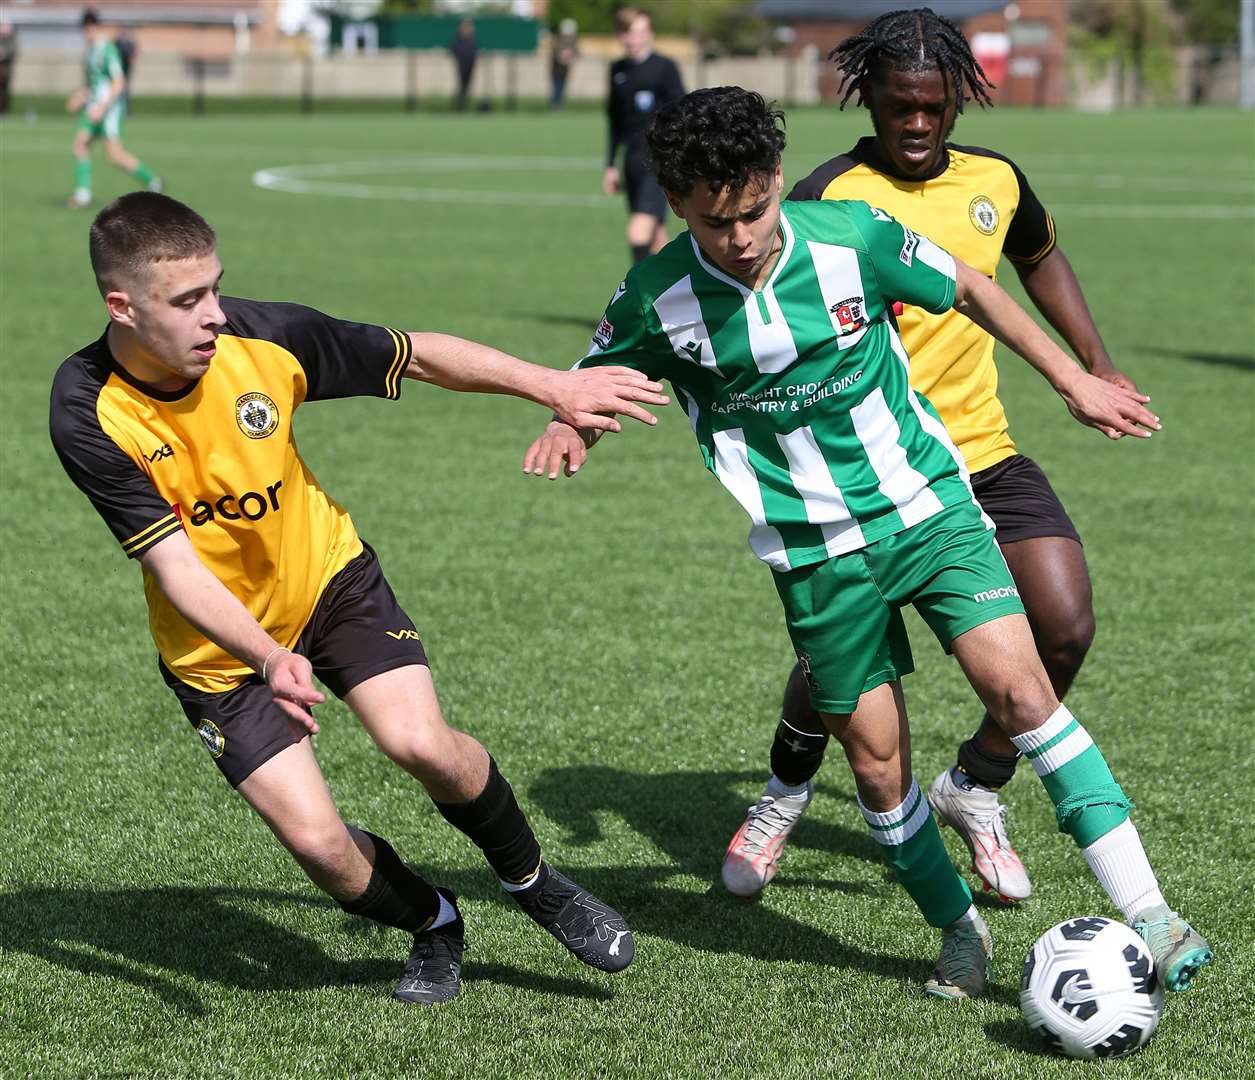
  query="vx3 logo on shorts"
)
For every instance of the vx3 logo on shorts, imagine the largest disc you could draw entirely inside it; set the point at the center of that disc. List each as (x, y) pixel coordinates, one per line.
(165, 451)
(403, 635)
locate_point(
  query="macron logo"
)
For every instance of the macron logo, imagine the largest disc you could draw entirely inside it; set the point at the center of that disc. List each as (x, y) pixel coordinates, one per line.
(996, 594)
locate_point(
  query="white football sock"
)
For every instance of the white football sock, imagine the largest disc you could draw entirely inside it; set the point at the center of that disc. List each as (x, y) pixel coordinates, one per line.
(446, 914)
(519, 886)
(1119, 862)
(778, 789)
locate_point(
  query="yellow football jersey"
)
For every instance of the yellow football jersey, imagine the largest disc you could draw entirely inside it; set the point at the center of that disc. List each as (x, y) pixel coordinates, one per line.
(217, 459)
(978, 207)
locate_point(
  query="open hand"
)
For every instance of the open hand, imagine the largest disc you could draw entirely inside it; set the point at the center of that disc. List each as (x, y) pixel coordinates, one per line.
(1112, 408)
(589, 398)
(290, 678)
(559, 448)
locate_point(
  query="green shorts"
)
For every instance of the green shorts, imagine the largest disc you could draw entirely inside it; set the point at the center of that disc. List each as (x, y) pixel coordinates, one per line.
(110, 126)
(844, 614)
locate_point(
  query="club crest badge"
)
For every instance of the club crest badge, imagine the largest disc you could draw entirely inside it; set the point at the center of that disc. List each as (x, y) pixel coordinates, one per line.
(215, 742)
(984, 214)
(256, 414)
(850, 315)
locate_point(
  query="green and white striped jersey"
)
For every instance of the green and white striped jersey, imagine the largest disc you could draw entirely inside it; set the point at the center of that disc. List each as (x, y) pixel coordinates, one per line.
(798, 392)
(101, 66)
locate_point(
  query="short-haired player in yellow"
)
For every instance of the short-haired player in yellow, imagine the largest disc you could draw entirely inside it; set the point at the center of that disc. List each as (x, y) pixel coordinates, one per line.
(177, 425)
(912, 70)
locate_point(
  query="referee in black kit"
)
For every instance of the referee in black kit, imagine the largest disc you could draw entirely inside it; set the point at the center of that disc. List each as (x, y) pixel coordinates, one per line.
(640, 84)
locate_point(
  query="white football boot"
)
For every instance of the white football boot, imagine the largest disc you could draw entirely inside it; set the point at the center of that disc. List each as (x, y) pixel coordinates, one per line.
(754, 853)
(977, 816)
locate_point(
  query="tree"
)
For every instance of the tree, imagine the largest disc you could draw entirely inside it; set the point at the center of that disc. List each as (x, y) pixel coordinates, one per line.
(1136, 35)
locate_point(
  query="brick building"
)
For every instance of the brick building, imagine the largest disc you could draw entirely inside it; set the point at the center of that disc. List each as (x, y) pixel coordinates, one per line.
(212, 29)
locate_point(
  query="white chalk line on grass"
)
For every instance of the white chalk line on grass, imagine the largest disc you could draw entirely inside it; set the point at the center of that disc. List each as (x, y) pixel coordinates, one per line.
(313, 180)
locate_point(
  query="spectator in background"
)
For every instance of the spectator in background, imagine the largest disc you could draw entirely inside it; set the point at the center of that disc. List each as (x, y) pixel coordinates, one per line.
(8, 58)
(465, 50)
(566, 50)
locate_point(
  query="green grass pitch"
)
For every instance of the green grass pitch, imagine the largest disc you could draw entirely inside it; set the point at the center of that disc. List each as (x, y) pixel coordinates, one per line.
(610, 639)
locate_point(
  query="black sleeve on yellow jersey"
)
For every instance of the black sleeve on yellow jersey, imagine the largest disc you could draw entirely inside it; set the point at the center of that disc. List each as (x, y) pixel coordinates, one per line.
(814, 186)
(340, 359)
(119, 490)
(1031, 234)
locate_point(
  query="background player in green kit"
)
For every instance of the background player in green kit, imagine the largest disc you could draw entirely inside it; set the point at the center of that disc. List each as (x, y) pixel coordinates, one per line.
(101, 105)
(775, 326)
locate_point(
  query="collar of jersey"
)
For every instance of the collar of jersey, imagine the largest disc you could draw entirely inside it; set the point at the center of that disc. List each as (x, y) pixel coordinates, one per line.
(143, 388)
(740, 286)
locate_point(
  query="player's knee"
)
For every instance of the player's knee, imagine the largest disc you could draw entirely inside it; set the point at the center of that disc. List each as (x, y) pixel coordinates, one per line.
(1063, 647)
(317, 844)
(880, 778)
(429, 756)
(1022, 702)
(116, 154)
(796, 709)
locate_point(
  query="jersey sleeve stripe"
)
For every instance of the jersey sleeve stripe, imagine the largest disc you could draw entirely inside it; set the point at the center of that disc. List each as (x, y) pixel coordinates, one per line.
(157, 531)
(392, 384)
(1046, 248)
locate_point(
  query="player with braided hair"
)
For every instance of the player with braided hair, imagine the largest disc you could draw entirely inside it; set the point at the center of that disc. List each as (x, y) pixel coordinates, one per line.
(913, 71)
(917, 40)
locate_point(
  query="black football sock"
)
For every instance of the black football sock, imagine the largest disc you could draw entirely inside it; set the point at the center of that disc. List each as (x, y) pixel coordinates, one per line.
(988, 770)
(495, 824)
(395, 895)
(640, 252)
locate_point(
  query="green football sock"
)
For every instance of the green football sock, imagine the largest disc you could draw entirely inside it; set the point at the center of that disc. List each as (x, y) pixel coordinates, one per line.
(143, 174)
(83, 173)
(1088, 801)
(912, 845)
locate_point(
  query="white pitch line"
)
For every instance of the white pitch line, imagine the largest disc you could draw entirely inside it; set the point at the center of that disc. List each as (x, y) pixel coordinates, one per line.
(302, 180)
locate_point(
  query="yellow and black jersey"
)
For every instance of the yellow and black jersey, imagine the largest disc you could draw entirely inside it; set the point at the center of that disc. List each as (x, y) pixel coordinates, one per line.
(978, 207)
(218, 460)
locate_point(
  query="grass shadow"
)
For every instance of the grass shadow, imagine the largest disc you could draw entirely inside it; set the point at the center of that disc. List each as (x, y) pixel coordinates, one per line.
(689, 815)
(1015, 1035)
(1195, 356)
(155, 938)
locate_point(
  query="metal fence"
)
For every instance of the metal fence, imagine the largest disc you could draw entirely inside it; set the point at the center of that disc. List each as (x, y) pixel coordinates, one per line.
(408, 78)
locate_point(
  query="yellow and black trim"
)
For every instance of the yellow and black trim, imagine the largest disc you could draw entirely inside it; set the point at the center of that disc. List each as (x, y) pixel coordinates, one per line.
(1046, 248)
(145, 538)
(404, 351)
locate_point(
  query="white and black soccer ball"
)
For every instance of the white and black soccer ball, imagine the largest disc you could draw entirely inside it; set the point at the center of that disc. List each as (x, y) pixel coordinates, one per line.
(1089, 988)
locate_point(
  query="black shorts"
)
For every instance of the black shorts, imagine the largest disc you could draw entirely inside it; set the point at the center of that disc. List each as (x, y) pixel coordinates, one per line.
(357, 631)
(644, 196)
(1017, 496)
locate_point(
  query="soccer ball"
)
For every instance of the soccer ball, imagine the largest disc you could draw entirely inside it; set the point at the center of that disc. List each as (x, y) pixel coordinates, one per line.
(1089, 988)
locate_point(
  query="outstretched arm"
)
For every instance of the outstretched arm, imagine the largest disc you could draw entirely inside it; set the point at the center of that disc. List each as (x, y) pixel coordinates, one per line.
(585, 398)
(215, 611)
(1053, 287)
(1112, 409)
